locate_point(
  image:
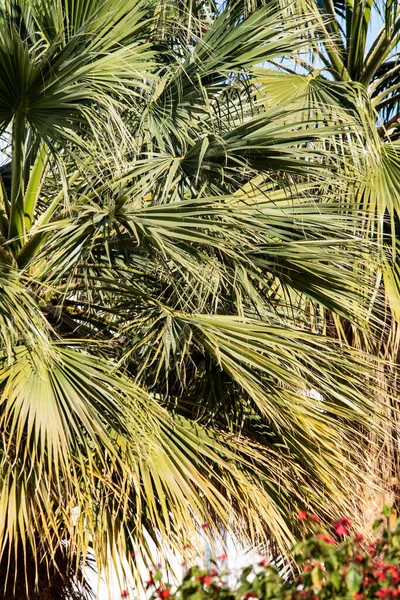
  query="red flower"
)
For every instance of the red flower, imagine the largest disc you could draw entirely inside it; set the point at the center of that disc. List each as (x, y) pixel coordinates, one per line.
(372, 547)
(380, 575)
(132, 554)
(341, 526)
(358, 596)
(206, 525)
(394, 573)
(325, 538)
(307, 567)
(341, 530)
(222, 557)
(313, 518)
(204, 579)
(251, 595)
(383, 593)
(359, 537)
(302, 515)
(214, 573)
(124, 594)
(164, 594)
(263, 562)
(359, 558)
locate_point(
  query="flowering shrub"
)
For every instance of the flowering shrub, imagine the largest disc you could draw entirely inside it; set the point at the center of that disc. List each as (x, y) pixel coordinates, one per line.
(331, 564)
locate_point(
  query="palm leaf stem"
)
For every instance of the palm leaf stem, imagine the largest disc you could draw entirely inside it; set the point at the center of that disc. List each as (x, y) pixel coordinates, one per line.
(384, 45)
(333, 23)
(34, 186)
(16, 226)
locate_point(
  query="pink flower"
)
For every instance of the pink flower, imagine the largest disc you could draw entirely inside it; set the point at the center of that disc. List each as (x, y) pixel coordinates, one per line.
(223, 557)
(302, 515)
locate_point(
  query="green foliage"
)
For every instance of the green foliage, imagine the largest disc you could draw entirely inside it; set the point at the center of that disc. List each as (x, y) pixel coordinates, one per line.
(330, 563)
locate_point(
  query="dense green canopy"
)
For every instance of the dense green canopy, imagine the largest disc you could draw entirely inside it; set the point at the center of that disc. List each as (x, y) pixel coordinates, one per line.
(180, 256)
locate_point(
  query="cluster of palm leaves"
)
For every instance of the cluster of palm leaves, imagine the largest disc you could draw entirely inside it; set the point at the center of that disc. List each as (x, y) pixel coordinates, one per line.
(193, 235)
(356, 44)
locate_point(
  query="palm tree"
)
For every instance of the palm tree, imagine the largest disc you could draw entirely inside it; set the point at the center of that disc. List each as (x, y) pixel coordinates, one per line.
(353, 61)
(169, 249)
